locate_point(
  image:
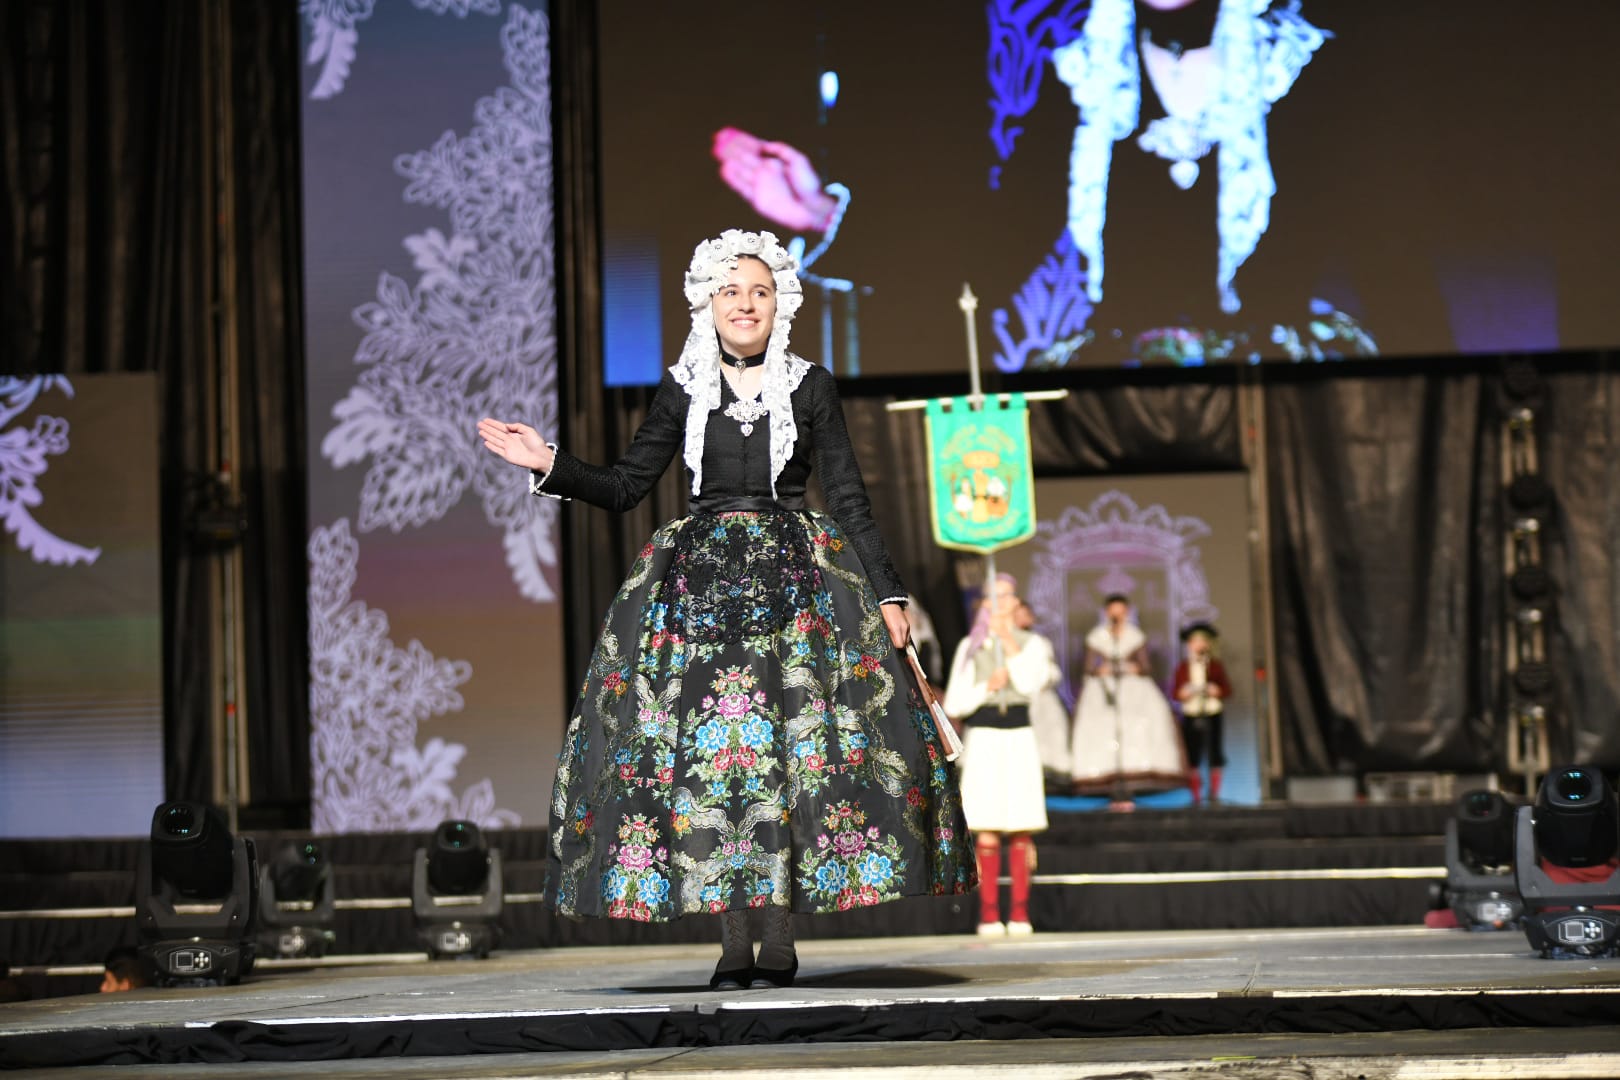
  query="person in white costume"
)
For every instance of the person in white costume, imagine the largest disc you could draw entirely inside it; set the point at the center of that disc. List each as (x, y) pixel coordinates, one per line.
(1048, 716)
(1125, 738)
(997, 671)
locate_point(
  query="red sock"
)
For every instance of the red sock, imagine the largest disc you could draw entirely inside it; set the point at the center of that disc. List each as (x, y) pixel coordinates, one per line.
(989, 883)
(1214, 784)
(1019, 852)
(1193, 783)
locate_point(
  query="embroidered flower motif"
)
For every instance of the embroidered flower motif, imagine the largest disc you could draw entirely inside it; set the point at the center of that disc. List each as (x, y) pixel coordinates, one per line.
(718, 768)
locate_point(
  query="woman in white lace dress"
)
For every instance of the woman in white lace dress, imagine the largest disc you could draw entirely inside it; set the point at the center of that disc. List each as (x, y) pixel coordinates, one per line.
(1125, 738)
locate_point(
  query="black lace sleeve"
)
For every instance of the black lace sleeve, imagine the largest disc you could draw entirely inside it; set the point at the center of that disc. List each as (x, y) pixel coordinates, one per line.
(846, 492)
(626, 482)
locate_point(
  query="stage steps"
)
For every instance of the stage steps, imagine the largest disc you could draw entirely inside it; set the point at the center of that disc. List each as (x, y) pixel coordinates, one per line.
(1214, 868)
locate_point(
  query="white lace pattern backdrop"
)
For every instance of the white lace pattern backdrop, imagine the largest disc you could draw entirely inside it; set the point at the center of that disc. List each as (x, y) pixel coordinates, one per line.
(429, 244)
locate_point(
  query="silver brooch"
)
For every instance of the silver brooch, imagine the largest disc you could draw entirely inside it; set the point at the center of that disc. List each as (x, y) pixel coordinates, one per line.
(746, 413)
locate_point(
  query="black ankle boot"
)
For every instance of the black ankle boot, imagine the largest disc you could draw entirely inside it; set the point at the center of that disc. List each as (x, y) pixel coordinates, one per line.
(732, 979)
(774, 978)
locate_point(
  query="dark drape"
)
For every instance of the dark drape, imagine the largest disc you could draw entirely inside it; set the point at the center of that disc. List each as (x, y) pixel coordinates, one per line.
(269, 337)
(1578, 425)
(1185, 423)
(1386, 550)
(150, 224)
(1388, 524)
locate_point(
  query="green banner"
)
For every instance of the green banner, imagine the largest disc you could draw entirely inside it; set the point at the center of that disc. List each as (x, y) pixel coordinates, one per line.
(981, 488)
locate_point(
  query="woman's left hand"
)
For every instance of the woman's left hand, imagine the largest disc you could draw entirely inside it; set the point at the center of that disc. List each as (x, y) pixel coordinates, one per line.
(894, 617)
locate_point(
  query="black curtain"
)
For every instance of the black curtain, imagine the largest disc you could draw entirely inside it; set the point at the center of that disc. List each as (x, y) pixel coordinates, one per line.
(1177, 421)
(269, 336)
(150, 217)
(1578, 431)
(1387, 568)
(1389, 524)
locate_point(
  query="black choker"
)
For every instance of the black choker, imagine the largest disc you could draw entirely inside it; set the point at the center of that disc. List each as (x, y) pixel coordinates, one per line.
(741, 363)
(1179, 30)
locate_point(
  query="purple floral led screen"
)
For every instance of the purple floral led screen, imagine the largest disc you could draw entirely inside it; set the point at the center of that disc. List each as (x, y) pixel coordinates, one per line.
(1121, 182)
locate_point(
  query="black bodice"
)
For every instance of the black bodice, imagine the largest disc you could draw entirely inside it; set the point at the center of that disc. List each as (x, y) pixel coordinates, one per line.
(735, 465)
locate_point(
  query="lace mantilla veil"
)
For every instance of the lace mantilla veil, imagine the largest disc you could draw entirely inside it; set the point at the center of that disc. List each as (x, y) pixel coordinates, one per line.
(698, 369)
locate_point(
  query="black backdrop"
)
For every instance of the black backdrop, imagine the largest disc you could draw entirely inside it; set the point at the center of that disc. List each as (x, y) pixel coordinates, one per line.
(125, 130)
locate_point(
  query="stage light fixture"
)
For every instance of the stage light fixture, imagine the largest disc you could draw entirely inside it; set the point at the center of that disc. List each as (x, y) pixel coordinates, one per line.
(457, 894)
(1529, 493)
(1480, 887)
(1567, 862)
(1522, 381)
(296, 903)
(1533, 679)
(1530, 584)
(195, 893)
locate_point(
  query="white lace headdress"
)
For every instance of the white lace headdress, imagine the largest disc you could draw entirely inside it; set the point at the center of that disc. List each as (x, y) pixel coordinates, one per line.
(698, 369)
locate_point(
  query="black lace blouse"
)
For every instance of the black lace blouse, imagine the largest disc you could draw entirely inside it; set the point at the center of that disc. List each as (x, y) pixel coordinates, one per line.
(739, 465)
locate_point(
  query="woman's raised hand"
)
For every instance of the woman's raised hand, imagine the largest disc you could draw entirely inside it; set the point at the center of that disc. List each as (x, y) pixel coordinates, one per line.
(518, 443)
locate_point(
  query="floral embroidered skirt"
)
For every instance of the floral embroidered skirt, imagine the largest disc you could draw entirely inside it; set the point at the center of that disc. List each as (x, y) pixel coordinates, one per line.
(747, 736)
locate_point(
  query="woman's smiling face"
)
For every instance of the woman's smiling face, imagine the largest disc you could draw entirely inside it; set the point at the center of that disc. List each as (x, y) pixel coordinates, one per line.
(745, 308)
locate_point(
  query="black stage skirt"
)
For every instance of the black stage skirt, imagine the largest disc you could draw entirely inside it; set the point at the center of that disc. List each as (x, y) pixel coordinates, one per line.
(747, 736)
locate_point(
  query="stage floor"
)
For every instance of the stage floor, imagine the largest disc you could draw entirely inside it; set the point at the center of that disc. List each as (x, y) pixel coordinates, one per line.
(1089, 999)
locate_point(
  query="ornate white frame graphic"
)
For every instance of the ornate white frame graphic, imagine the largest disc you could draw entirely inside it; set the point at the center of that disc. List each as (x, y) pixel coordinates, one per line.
(1114, 534)
(22, 462)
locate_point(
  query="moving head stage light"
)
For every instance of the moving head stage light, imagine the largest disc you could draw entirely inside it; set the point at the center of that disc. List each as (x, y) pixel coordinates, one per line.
(1567, 861)
(194, 897)
(1480, 887)
(457, 894)
(296, 905)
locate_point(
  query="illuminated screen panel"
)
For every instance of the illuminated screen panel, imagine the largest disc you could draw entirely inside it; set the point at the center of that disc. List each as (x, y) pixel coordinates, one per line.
(1121, 184)
(81, 646)
(436, 661)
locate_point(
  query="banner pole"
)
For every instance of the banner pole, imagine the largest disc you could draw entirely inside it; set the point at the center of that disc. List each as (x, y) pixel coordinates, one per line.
(970, 306)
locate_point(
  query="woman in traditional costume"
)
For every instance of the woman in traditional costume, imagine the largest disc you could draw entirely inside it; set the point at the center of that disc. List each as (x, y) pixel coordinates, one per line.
(1125, 737)
(746, 736)
(998, 672)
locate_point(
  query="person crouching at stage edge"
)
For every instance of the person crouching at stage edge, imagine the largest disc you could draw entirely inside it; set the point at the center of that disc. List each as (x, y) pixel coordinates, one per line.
(1201, 689)
(998, 670)
(748, 734)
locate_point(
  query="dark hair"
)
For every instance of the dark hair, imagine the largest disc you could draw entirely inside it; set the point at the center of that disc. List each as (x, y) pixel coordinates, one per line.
(1116, 598)
(125, 964)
